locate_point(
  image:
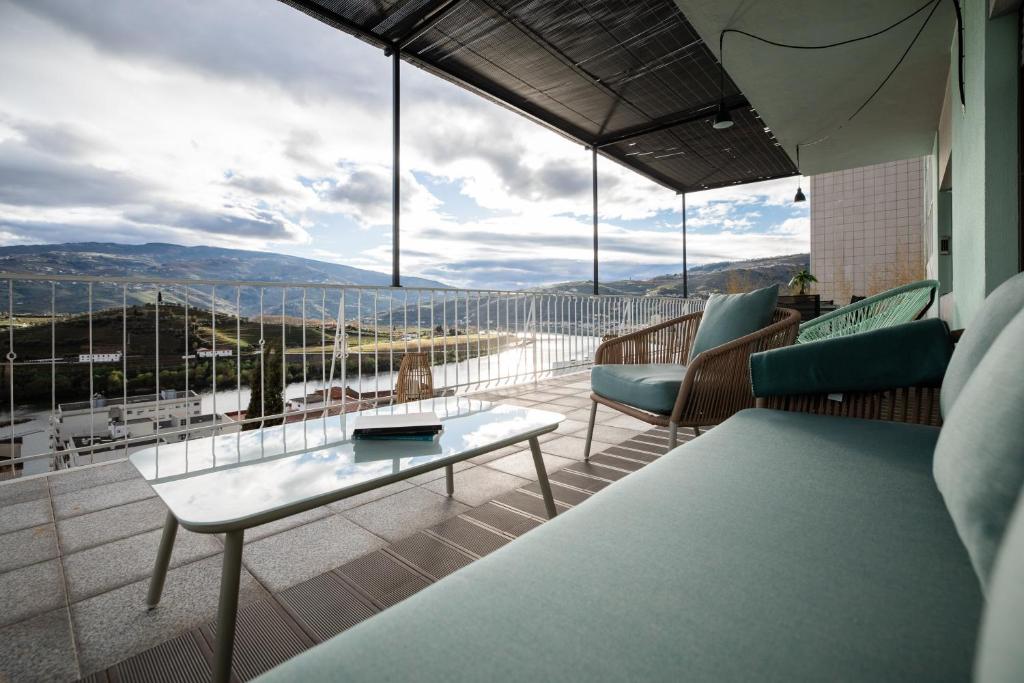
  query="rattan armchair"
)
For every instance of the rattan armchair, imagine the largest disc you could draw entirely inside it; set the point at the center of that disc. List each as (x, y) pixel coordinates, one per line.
(716, 383)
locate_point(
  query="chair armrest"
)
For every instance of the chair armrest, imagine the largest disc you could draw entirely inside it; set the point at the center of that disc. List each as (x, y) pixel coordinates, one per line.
(667, 342)
(717, 381)
(912, 354)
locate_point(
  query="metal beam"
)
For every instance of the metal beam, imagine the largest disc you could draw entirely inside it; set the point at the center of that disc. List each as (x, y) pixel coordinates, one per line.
(424, 20)
(396, 126)
(664, 123)
(593, 151)
(686, 291)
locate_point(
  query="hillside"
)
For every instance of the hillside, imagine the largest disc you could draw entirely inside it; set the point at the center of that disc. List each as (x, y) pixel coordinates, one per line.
(174, 262)
(702, 280)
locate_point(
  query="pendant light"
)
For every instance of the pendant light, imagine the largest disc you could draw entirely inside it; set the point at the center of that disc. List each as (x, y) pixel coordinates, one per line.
(722, 119)
(800, 197)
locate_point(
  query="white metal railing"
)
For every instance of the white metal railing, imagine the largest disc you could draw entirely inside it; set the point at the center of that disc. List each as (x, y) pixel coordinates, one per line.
(86, 354)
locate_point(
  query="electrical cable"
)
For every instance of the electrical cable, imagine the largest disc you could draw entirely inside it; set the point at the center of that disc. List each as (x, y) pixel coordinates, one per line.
(934, 4)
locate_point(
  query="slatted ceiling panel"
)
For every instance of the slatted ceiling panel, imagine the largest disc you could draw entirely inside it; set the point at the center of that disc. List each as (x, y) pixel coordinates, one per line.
(590, 69)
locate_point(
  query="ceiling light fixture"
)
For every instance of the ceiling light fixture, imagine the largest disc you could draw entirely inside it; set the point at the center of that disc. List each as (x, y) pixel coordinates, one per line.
(800, 197)
(722, 118)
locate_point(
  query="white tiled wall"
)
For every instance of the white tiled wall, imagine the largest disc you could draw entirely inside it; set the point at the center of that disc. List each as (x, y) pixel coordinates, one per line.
(867, 229)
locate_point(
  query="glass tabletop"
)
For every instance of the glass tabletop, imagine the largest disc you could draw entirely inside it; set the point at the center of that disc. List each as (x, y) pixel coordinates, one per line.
(223, 481)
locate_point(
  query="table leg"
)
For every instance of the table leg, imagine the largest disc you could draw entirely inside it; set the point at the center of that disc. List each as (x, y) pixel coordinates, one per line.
(227, 610)
(542, 478)
(163, 560)
(449, 473)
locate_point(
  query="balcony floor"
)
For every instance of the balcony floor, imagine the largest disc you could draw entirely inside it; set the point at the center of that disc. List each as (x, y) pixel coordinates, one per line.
(77, 548)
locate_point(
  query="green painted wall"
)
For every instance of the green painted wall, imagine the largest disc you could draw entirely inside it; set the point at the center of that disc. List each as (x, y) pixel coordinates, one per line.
(944, 228)
(985, 198)
(984, 159)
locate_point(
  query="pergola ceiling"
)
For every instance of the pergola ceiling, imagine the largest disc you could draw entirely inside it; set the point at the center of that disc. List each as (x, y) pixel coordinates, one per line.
(633, 79)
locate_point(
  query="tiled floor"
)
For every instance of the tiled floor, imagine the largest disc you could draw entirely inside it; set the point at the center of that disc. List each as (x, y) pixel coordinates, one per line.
(76, 550)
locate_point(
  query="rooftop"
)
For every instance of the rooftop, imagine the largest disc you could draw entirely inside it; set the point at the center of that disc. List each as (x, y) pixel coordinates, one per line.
(77, 548)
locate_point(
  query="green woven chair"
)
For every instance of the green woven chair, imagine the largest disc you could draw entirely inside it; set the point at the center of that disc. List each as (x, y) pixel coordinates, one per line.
(896, 306)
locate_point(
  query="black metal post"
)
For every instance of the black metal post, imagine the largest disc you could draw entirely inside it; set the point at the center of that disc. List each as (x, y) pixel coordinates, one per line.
(396, 120)
(686, 291)
(593, 150)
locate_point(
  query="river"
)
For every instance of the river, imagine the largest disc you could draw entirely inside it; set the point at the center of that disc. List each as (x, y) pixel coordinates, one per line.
(515, 364)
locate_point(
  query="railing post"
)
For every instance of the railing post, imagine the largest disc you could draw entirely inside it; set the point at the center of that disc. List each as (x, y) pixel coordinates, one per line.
(593, 157)
(396, 121)
(685, 288)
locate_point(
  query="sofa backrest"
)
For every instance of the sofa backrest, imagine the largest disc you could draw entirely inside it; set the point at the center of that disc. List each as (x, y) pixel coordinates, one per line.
(979, 457)
(999, 656)
(999, 308)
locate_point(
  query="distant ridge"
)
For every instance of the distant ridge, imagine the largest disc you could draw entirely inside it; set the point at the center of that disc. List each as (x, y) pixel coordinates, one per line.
(173, 262)
(702, 280)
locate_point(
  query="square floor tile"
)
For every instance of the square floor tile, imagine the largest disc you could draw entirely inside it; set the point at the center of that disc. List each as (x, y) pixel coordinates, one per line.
(79, 478)
(427, 477)
(369, 496)
(39, 649)
(28, 546)
(290, 522)
(500, 453)
(478, 485)
(101, 497)
(116, 625)
(111, 565)
(23, 490)
(25, 515)
(568, 426)
(405, 513)
(572, 447)
(112, 524)
(290, 557)
(521, 464)
(626, 422)
(30, 590)
(612, 435)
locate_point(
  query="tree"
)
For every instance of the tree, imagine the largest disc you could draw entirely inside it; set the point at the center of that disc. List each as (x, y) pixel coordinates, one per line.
(266, 376)
(802, 279)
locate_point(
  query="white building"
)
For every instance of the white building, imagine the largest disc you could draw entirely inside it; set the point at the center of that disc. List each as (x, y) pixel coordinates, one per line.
(204, 352)
(91, 418)
(100, 357)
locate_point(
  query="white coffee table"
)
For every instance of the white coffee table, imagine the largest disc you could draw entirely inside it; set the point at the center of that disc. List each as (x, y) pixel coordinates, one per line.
(233, 482)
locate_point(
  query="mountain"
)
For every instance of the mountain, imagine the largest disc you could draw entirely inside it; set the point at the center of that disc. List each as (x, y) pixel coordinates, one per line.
(702, 280)
(174, 262)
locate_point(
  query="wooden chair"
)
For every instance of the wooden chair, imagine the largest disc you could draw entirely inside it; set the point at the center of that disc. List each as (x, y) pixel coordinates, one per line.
(714, 385)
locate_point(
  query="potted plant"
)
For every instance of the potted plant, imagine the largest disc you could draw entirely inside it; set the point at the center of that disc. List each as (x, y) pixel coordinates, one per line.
(809, 305)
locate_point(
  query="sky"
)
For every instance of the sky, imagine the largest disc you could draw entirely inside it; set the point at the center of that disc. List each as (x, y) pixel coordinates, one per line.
(247, 124)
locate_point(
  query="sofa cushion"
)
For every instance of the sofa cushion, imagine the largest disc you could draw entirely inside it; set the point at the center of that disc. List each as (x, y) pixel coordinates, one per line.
(648, 386)
(979, 460)
(911, 354)
(776, 547)
(730, 316)
(1000, 656)
(1001, 306)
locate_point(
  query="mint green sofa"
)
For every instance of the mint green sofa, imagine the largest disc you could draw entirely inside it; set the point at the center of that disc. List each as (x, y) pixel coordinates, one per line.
(778, 546)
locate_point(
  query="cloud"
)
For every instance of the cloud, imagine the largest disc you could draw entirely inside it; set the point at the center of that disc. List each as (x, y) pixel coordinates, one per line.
(253, 224)
(29, 177)
(227, 38)
(255, 126)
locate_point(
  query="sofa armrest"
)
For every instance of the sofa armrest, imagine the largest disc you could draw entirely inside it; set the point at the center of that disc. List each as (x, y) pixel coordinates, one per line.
(913, 354)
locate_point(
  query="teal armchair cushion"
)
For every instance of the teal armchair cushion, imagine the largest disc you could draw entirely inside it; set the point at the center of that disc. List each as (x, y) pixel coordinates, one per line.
(905, 355)
(731, 316)
(649, 386)
(1005, 302)
(1000, 655)
(979, 458)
